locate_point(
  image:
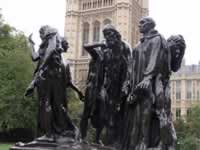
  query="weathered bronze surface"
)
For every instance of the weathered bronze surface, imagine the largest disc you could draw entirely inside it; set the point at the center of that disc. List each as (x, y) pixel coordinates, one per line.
(127, 92)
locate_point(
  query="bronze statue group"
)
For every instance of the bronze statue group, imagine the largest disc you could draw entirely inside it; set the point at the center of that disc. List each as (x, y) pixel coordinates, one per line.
(127, 89)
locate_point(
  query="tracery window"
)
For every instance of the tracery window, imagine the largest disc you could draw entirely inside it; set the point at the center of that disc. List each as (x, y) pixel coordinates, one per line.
(91, 4)
(105, 2)
(99, 3)
(96, 31)
(188, 89)
(107, 21)
(110, 2)
(178, 90)
(95, 4)
(86, 27)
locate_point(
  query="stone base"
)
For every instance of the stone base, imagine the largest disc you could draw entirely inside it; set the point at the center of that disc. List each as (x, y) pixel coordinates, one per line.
(35, 145)
(54, 146)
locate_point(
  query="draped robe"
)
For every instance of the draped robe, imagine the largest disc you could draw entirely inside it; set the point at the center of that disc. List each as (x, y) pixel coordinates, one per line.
(147, 62)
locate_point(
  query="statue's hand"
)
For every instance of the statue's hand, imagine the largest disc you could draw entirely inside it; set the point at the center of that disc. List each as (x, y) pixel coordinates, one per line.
(41, 75)
(131, 99)
(30, 39)
(144, 84)
(143, 89)
(29, 92)
(81, 96)
(125, 89)
(118, 107)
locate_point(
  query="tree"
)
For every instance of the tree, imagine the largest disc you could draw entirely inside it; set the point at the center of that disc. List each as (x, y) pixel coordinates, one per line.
(188, 132)
(16, 71)
(74, 106)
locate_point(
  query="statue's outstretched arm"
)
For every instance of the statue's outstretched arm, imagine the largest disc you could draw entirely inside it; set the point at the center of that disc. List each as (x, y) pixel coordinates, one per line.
(34, 54)
(80, 94)
(90, 48)
(70, 84)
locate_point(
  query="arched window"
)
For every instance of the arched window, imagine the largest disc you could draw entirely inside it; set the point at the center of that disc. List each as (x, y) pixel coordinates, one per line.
(107, 21)
(99, 3)
(90, 4)
(84, 6)
(111, 2)
(104, 2)
(96, 31)
(86, 28)
(95, 4)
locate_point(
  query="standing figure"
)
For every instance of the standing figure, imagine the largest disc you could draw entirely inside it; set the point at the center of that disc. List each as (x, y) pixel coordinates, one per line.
(147, 63)
(117, 58)
(51, 78)
(94, 104)
(176, 51)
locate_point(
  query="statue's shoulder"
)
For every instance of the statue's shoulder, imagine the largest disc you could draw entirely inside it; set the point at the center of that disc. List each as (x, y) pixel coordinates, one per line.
(163, 42)
(159, 39)
(127, 47)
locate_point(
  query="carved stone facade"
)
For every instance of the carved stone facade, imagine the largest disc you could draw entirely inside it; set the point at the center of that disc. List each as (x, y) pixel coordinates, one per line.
(185, 90)
(84, 22)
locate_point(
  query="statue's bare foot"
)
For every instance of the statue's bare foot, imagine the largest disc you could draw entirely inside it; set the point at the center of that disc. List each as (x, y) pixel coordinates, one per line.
(46, 138)
(141, 146)
(84, 141)
(100, 142)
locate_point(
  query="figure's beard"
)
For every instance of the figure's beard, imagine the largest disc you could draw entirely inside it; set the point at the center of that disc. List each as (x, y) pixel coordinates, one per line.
(110, 44)
(176, 63)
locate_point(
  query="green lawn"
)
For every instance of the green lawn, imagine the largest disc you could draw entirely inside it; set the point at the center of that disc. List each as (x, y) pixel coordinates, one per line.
(4, 146)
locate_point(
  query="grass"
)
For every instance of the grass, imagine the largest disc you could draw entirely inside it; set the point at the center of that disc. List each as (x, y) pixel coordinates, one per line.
(5, 146)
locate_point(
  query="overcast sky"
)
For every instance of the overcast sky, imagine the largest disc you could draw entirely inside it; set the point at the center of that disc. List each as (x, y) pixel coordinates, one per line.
(171, 16)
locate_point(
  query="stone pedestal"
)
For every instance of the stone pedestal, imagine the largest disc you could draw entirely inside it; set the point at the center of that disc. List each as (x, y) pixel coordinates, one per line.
(35, 145)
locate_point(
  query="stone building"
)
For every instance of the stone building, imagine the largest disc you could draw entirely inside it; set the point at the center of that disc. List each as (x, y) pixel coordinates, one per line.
(84, 21)
(185, 90)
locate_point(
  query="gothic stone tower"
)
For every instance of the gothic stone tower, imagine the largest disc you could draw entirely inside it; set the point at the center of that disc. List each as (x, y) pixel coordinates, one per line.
(84, 22)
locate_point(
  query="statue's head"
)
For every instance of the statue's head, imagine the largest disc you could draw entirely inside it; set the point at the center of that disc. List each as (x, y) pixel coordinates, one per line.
(46, 30)
(65, 44)
(176, 44)
(146, 24)
(111, 35)
(43, 30)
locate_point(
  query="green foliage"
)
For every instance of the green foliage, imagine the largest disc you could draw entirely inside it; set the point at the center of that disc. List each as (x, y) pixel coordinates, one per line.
(188, 143)
(5, 146)
(5, 29)
(188, 132)
(16, 71)
(74, 106)
(193, 122)
(75, 109)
